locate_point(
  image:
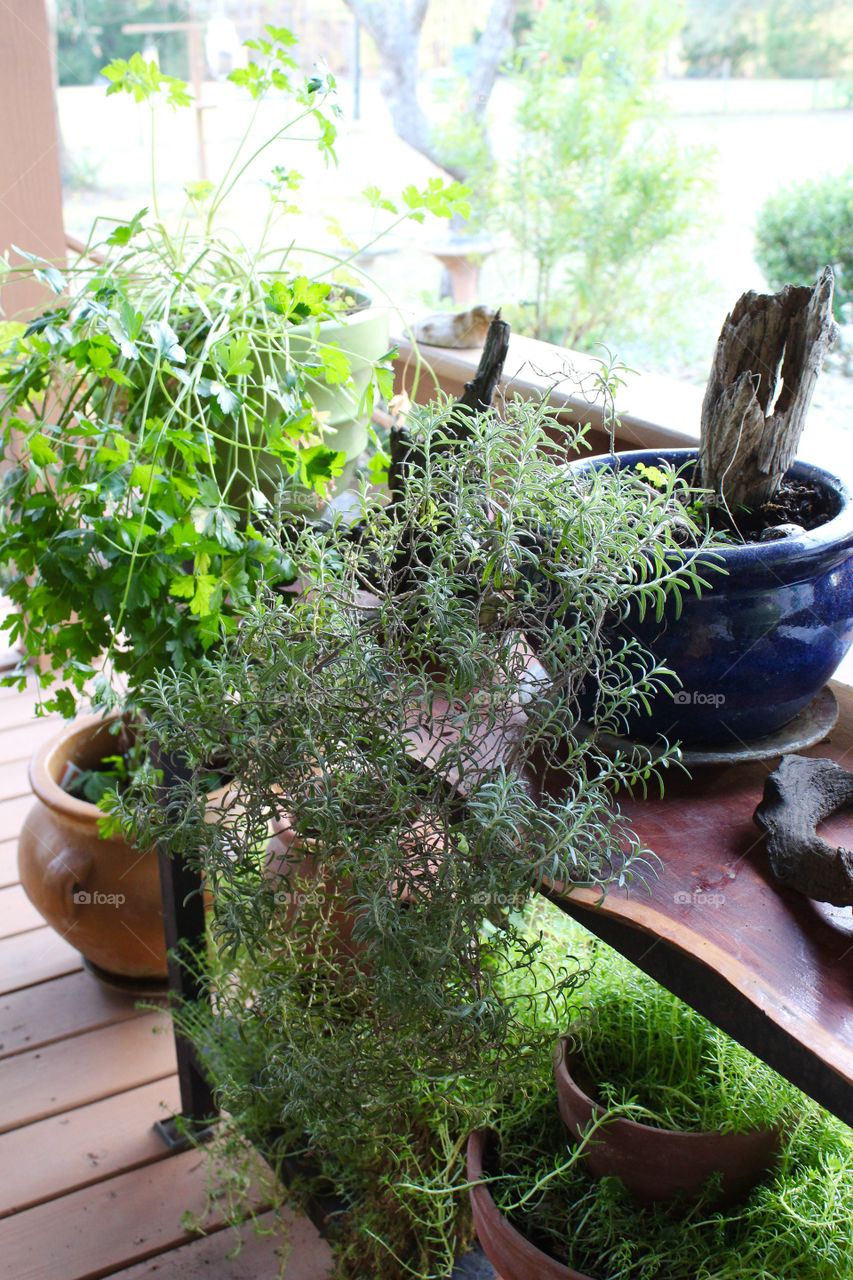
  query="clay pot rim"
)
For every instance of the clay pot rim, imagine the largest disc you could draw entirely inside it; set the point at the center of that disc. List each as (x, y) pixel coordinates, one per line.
(563, 1058)
(478, 1141)
(45, 785)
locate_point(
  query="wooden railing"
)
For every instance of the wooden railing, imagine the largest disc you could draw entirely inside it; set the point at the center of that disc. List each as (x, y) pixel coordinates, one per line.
(653, 411)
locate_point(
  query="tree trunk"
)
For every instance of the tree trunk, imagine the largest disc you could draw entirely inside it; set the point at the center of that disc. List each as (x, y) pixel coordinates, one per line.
(492, 47)
(395, 27)
(750, 434)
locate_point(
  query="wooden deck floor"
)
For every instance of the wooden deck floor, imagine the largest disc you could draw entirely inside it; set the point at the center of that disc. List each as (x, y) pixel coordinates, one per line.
(86, 1187)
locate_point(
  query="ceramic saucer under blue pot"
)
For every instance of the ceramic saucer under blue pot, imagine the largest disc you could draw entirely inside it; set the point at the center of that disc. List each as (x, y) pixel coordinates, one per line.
(759, 644)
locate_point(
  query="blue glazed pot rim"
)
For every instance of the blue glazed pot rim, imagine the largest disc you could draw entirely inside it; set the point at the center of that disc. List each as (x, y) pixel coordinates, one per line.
(785, 557)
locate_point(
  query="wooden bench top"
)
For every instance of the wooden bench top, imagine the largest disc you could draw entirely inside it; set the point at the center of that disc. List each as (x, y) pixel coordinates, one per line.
(769, 966)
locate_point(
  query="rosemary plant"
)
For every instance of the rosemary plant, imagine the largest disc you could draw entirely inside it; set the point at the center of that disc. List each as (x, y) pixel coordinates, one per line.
(412, 719)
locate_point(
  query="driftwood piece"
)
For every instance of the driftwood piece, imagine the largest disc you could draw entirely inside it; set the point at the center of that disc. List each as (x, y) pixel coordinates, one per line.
(407, 454)
(460, 329)
(798, 796)
(477, 396)
(750, 435)
(479, 392)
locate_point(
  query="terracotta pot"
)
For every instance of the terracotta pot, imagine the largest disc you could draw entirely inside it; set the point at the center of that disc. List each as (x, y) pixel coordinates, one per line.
(101, 895)
(512, 1256)
(310, 887)
(659, 1164)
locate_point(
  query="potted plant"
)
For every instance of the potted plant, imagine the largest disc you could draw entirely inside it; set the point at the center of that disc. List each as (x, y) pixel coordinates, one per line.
(393, 713)
(672, 1106)
(89, 881)
(540, 1211)
(753, 650)
(96, 890)
(360, 334)
(162, 413)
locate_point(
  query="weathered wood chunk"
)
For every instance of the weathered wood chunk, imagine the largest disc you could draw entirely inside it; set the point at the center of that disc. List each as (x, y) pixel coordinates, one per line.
(751, 426)
(799, 795)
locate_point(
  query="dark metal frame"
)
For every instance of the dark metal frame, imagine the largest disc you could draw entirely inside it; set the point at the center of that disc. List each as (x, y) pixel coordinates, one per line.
(181, 894)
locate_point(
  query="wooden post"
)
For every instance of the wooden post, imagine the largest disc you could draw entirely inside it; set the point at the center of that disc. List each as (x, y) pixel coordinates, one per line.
(30, 183)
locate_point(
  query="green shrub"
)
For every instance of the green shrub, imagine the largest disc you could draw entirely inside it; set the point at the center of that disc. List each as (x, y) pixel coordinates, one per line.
(805, 226)
(596, 194)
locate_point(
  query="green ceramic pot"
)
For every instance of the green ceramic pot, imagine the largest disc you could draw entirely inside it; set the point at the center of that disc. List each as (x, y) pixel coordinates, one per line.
(362, 336)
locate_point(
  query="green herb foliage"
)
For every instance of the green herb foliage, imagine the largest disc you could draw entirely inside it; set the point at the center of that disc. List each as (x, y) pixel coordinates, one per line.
(391, 716)
(112, 774)
(157, 415)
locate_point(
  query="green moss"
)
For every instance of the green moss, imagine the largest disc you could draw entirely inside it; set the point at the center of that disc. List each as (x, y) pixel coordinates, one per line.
(795, 1226)
(643, 1048)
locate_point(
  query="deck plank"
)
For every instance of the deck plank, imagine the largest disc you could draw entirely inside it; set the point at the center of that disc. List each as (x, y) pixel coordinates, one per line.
(19, 708)
(17, 913)
(8, 862)
(288, 1236)
(84, 1069)
(14, 778)
(78, 1148)
(96, 1231)
(12, 814)
(20, 743)
(51, 1011)
(12, 691)
(36, 956)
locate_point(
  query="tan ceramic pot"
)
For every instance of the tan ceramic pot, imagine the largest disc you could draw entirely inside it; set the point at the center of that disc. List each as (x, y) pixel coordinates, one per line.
(101, 895)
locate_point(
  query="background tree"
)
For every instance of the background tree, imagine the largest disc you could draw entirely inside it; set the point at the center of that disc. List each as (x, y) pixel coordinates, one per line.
(89, 34)
(808, 38)
(786, 38)
(596, 193)
(720, 36)
(395, 26)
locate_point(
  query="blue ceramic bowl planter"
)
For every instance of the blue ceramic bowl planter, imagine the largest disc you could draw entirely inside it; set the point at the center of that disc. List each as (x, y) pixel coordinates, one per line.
(758, 645)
